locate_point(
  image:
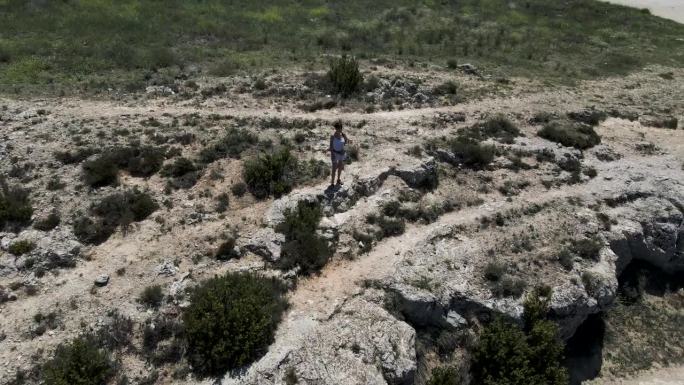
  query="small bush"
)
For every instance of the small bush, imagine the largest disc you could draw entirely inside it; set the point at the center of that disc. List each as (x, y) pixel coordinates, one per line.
(494, 271)
(21, 247)
(114, 210)
(303, 246)
(80, 362)
(587, 248)
(54, 184)
(509, 286)
(344, 76)
(231, 321)
(152, 296)
(226, 250)
(222, 203)
(77, 156)
(47, 223)
(15, 205)
(271, 173)
(238, 189)
(590, 116)
(100, 172)
(183, 171)
(445, 376)
(447, 88)
(232, 145)
(580, 136)
(471, 153)
(505, 354)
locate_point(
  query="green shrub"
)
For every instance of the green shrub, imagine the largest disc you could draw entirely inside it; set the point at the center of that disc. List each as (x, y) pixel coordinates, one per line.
(587, 248)
(48, 223)
(271, 173)
(222, 203)
(499, 127)
(303, 246)
(15, 205)
(112, 211)
(139, 161)
(21, 247)
(81, 362)
(509, 286)
(471, 153)
(445, 376)
(238, 189)
(590, 116)
(231, 321)
(152, 296)
(494, 271)
(183, 172)
(100, 172)
(232, 145)
(344, 76)
(580, 136)
(506, 354)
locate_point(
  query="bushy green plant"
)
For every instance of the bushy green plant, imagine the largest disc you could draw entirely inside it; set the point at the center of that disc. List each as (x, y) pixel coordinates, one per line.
(445, 376)
(231, 145)
(21, 247)
(238, 189)
(226, 250)
(112, 211)
(507, 354)
(15, 205)
(587, 248)
(344, 75)
(76, 156)
(271, 173)
(48, 223)
(580, 136)
(231, 321)
(81, 362)
(303, 246)
(472, 153)
(141, 161)
(590, 116)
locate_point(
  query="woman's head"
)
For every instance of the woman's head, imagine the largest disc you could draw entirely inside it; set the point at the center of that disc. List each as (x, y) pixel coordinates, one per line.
(337, 126)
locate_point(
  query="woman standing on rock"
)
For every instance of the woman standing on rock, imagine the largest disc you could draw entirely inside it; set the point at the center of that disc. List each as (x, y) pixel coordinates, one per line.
(338, 141)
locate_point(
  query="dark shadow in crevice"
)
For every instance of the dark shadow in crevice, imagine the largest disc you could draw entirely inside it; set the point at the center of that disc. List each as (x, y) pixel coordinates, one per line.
(584, 350)
(641, 277)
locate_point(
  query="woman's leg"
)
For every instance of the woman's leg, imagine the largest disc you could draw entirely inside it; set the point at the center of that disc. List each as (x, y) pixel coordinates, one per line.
(340, 167)
(334, 168)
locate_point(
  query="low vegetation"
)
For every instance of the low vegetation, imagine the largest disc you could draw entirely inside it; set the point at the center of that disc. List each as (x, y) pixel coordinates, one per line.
(578, 135)
(118, 209)
(304, 247)
(231, 321)
(80, 362)
(152, 296)
(556, 40)
(139, 161)
(15, 206)
(344, 76)
(508, 354)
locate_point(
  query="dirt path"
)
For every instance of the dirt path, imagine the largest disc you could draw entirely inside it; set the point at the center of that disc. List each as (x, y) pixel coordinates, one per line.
(661, 376)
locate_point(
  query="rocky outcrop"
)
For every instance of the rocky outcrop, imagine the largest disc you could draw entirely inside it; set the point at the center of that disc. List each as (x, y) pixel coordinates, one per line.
(361, 343)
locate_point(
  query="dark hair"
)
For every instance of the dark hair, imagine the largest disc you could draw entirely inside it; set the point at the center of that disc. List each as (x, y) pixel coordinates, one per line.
(337, 125)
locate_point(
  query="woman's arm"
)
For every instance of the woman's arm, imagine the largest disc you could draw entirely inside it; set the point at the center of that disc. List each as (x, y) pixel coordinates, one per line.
(346, 140)
(331, 144)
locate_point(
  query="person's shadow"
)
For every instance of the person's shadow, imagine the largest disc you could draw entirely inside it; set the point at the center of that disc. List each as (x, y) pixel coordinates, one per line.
(331, 190)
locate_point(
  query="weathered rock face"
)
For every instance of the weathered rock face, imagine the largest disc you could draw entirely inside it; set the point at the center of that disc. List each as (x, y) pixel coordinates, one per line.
(57, 248)
(361, 343)
(648, 228)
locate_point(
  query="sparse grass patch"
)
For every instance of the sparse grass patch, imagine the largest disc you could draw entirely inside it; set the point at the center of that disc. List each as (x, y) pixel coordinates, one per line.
(48, 222)
(231, 321)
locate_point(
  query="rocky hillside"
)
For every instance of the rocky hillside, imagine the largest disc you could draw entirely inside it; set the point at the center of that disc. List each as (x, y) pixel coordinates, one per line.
(465, 195)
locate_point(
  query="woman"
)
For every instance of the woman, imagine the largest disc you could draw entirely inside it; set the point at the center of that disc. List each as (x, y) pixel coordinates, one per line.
(338, 141)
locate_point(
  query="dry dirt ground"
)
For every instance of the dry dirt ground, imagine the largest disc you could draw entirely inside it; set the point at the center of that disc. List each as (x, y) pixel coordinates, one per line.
(186, 233)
